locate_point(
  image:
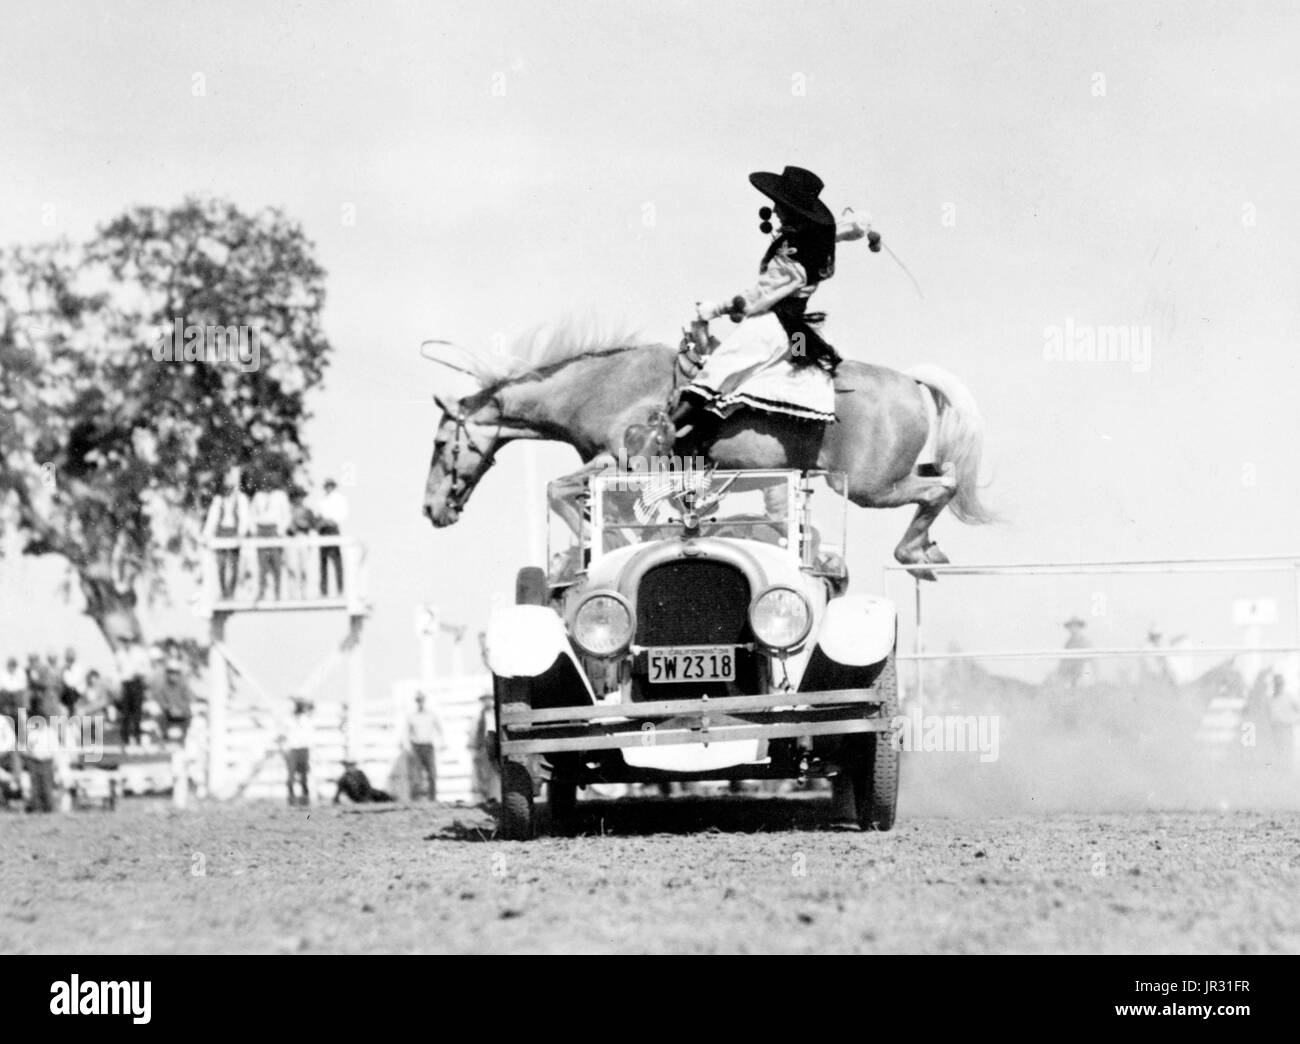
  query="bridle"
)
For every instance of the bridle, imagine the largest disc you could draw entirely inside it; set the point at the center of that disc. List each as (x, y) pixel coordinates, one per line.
(459, 491)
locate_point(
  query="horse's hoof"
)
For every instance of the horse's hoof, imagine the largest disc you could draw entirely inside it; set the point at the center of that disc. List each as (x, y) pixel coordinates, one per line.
(934, 556)
(914, 559)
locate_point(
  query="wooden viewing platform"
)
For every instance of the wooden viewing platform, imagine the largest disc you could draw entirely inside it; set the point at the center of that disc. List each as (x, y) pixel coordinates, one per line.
(299, 559)
(297, 562)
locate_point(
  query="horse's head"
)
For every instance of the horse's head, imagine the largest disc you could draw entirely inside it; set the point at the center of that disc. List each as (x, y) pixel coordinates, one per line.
(463, 450)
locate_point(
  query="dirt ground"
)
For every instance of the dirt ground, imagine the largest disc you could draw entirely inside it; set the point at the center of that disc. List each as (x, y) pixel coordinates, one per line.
(735, 874)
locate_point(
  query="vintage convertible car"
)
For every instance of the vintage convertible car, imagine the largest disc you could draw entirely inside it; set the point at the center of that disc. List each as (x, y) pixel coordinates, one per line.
(694, 624)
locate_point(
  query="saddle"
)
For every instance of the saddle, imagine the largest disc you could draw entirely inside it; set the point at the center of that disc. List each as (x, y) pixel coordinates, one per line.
(657, 437)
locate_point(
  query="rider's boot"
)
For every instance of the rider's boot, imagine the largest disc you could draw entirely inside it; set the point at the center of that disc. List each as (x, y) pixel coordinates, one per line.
(688, 429)
(693, 425)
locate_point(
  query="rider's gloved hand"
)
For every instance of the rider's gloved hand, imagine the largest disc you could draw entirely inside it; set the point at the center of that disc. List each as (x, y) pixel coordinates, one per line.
(852, 225)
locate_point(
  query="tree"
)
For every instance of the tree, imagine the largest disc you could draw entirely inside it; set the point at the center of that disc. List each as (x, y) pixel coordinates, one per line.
(109, 453)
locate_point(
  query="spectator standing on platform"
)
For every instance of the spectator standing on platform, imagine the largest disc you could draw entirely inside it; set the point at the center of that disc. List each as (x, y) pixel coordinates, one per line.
(133, 666)
(424, 734)
(332, 513)
(228, 518)
(298, 738)
(270, 515)
(72, 680)
(301, 523)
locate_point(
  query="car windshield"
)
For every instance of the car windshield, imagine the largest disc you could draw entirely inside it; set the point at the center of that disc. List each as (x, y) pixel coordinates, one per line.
(636, 507)
(599, 514)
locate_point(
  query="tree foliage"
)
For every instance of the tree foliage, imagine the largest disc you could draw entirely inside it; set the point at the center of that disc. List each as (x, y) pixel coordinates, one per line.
(108, 456)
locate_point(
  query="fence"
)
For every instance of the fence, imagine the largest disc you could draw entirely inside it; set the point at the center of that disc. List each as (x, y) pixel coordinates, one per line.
(1238, 564)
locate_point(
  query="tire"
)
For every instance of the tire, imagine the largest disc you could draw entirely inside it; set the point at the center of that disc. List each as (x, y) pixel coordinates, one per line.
(516, 823)
(876, 763)
(531, 587)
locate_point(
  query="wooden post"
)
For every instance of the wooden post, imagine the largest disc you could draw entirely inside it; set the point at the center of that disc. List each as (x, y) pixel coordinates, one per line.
(355, 700)
(218, 700)
(918, 647)
(180, 778)
(427, 617)
(209, 584)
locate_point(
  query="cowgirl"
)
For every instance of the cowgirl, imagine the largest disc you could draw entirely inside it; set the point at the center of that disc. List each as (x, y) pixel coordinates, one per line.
(777, 360)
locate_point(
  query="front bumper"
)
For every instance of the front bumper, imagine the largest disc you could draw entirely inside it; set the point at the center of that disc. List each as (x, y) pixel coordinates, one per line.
(522, 731)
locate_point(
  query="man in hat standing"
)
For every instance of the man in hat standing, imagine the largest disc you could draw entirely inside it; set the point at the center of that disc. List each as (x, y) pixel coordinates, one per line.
(424, 735)
(297, 738)
(174, 698)
(134, 668)
(332, 513)
(1154, 669)
(1073, 671)
(778, 360)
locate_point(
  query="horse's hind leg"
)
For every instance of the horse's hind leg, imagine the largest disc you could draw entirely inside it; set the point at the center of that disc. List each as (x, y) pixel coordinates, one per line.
(931, 495)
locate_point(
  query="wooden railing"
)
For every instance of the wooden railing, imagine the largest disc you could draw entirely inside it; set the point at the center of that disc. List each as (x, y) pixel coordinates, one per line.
(298, 561)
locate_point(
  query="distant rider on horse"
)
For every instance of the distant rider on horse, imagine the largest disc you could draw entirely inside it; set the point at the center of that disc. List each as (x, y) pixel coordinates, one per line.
(777, 360)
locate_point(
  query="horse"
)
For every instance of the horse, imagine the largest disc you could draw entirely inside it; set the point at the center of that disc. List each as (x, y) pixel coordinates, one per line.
(587, 391)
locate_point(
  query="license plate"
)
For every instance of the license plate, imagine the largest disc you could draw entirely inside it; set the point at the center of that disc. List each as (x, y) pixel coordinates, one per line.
(705, 663)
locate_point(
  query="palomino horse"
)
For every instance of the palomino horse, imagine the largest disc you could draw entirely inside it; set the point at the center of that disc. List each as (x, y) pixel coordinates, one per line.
(588, 394)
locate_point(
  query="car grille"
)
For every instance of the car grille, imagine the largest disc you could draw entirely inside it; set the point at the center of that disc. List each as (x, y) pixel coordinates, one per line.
(692, 603)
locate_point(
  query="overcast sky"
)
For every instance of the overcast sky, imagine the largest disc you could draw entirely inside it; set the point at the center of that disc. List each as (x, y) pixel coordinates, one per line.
(508, 164)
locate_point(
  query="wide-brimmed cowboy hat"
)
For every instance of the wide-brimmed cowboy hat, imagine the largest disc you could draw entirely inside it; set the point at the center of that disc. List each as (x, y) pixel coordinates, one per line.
(797, 189)
(1074, 621)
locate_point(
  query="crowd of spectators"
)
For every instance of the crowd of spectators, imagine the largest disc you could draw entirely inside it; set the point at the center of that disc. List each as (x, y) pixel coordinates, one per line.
(263, 504)
(149, 700)
(147, 704)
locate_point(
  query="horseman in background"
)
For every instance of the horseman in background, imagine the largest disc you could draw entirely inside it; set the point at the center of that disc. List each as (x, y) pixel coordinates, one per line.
(777, 360)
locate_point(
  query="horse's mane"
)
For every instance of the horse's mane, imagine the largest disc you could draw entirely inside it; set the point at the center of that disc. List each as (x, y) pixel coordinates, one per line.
(546, 347)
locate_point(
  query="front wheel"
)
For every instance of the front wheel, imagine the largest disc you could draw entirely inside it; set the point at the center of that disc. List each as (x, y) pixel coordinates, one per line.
(516, 823)
(875, 765)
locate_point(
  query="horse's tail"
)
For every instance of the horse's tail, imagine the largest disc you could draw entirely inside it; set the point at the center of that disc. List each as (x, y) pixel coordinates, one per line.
(960, 439)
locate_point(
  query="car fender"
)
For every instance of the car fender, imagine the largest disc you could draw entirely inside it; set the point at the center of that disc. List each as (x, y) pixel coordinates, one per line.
(858, 630)
(524, 641)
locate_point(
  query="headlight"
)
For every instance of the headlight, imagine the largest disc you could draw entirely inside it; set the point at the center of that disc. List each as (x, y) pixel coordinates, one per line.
(602, 626)
(780, 617)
